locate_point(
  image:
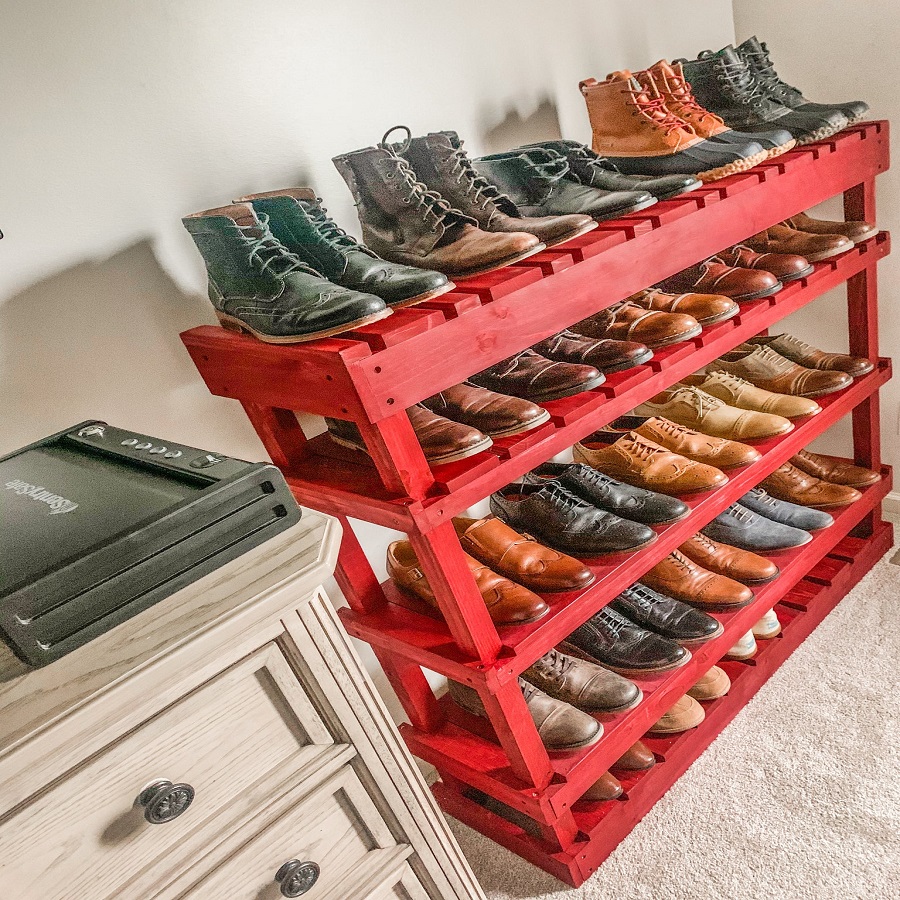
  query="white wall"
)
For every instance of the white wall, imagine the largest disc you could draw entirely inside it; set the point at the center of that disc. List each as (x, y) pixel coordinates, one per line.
(836, 51)
(119, 118)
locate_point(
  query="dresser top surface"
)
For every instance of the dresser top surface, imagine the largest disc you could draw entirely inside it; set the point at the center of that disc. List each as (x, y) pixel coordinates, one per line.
(267, 579)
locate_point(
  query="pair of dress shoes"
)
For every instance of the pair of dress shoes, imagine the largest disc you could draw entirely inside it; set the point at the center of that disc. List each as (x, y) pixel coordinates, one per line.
(581, 511)
(816, 239)
(510, 570)
(785, 365)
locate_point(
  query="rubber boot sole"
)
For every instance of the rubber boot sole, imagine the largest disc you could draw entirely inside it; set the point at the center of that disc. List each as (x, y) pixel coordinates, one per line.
(230, 323)
(780, 149)
(734, 168)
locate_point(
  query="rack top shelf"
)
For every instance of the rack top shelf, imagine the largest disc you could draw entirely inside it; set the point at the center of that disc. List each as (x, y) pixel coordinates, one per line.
(371, 373)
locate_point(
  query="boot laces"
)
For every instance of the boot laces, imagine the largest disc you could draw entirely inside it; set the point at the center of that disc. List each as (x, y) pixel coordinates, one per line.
(480, 190)
(738, 76)
(681, 91)
(565, 500)
(433, 207)
(586, 161)
(329, 229)
(765, 69)
(556, 664)
(654, 110)
(642, 450)
(550, 171)
(269, 255)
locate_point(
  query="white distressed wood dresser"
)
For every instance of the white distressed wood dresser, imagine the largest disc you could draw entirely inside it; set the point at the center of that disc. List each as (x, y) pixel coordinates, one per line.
(225, 745)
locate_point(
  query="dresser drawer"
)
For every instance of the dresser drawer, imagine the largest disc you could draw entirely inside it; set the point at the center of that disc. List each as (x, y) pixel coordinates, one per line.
(237, 741)
(337, 827)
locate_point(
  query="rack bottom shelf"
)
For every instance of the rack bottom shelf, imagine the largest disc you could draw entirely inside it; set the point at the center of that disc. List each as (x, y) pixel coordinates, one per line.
(603, 825)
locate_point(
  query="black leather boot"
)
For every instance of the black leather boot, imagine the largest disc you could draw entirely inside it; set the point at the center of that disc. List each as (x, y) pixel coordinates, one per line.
(257, 286)
(439, 160)
(297, 219)
(540, 182)
(756, 55)
(596, 171)
(725, 84)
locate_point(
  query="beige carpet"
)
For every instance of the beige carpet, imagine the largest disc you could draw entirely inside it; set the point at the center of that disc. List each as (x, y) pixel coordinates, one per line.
(799, 798)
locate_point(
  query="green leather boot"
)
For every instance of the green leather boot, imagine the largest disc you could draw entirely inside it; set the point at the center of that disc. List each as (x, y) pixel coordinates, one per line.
(299, 221)
(540, 182)
(258, 287)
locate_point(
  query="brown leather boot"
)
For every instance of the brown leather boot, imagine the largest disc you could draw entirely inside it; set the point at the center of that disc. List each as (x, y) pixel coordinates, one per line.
(439, 160)
(404, 222)
(679, 98)
(634, 128)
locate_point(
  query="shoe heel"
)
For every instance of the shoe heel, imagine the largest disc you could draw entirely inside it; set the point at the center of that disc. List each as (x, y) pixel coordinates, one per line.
(230, 324)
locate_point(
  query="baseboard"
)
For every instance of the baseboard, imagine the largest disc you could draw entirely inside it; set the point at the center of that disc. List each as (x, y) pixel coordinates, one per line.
(891, 504)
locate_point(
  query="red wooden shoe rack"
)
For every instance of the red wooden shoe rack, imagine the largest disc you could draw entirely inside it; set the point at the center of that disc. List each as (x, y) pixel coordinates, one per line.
(495, 773)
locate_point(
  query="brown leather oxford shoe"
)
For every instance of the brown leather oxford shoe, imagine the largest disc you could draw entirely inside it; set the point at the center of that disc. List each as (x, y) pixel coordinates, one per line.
(834, 469)
(520, 557)
(786, 239)
(805, 355)
(497, 415)
(853, 231)
(637, 758)
(606, 787)
(795, 486)
(715, 276)
(770, 371)
(601, 353)
(442, 440)
(679, 577)
(508, 603)
(534, 377)
(638, 461)
(784, 266)
(707, 309)
(723, 559)
(629, 322)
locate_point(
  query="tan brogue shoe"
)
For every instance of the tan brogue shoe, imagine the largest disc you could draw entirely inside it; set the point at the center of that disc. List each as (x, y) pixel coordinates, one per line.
(804, 355)
(642, 463)
(769, 370)
(694, 408)
(743, 394)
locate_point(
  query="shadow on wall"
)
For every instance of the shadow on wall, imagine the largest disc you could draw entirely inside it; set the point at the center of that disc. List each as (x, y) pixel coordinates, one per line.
(100, 340)
(513, 130)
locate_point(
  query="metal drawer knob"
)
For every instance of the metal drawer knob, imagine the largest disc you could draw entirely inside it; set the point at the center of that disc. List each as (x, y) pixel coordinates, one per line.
(296, 877)
(164, 801)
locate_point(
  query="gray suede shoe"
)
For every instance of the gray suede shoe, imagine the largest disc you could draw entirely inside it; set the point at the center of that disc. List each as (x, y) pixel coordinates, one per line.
(758, 501)
(741, 528)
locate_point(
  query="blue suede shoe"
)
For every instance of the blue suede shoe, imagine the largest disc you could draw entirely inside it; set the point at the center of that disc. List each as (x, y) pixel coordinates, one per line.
(741, 528)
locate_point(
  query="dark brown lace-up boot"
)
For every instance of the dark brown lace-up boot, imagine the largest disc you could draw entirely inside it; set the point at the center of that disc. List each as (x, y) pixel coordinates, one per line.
(404, 222)
(440, 161)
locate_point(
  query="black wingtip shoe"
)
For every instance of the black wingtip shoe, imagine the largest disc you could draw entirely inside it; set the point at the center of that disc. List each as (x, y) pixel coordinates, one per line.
(617, 643)
(666, 616)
